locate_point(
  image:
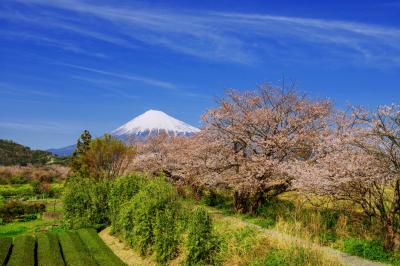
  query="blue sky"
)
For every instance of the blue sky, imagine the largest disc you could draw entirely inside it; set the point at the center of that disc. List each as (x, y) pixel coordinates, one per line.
(73, 65)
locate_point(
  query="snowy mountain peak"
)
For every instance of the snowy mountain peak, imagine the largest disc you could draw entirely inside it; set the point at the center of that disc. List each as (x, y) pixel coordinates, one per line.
(153, 122)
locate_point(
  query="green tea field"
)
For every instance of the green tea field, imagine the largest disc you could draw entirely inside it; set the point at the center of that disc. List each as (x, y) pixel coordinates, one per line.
(81, 247)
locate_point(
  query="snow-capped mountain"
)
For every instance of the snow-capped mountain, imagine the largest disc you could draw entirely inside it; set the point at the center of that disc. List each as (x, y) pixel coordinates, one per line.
(154, 122)
(150, 123)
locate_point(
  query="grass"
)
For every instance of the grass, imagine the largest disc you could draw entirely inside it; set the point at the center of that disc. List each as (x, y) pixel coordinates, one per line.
(32, 227)
(98, 249)
(339, 226)
(5, 245)
(74, 251)
(23, 190)
(244, 245)
(48, 250)
(23, 252)
(29, 228)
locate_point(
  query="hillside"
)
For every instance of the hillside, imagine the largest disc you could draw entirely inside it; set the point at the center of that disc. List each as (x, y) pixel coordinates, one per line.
(12, 153)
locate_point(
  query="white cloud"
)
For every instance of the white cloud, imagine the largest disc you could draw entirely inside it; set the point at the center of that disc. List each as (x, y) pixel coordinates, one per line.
(223, 36)
(145, 80)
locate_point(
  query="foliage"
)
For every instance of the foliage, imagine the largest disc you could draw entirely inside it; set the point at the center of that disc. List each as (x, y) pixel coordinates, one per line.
(372, 250)
(359, 162)
(74, 251)
(12, 153)
(139, 218)
(23, 252)
(48, 250)
(77, 165)
(19, 191)
(85, 202)
(5, 246)
(290, 257)
(202, 245)
(14, 209)
(123, 190)
(101, 158)
(246, 145)
(166, 235)
(98, 250)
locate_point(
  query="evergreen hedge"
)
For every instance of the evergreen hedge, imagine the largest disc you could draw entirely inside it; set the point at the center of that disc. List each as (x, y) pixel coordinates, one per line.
(23, 252)
(5, 246)
(48, 250)
(74, 251)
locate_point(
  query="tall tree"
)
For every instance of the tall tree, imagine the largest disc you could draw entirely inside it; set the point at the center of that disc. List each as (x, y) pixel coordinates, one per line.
(360, 163)
(82, 146)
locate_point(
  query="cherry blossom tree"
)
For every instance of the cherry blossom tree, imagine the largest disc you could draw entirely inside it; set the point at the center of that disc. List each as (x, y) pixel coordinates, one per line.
(360, 162)
(250, 137)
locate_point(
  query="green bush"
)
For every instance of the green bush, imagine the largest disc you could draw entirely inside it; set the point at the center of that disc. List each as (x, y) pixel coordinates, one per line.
(296, 255)
(329, 218)
(85, 202)
(122, 191)
(5, 245)
(202, 245)
(138, 217)
(18, 191)
(48, 250)
(23, 252)
(29, 217)
(166, 235)
(13, 209)
(74, 251)
(98, 250)
(372, 250)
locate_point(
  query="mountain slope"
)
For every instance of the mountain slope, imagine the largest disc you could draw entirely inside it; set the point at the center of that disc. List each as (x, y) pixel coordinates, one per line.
(62, 152)
(12, 153)
(154, 122)
(150, 123)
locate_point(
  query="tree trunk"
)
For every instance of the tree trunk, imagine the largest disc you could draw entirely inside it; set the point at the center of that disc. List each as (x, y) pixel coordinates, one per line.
(389, 240)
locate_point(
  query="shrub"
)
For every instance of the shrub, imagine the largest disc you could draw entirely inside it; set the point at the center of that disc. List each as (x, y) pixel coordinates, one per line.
(138, 218)
(74, 251)
(166, 235)
(48, 250)
(85, 202)
(23, 252)
(372, 250)
(122, 191)
(329, 218)
(5, 245)
(202, 245)
(12, 209)
(19, 191)
(99, 251)
(295, 255)
(29, 217)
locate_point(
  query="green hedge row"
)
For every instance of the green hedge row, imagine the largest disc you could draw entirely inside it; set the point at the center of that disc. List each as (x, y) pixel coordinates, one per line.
(5, 245)
(48, 250)
(98, 249)
(23, 252)
(74, 251)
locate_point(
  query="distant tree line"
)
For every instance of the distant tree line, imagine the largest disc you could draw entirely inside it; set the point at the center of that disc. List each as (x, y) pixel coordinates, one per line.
(12, 153)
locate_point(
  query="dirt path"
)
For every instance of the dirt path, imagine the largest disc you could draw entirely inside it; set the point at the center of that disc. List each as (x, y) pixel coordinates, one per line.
(126, 254)
(131, 257)
(346, 259)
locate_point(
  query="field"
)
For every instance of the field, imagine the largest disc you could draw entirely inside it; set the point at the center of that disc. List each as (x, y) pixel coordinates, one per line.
(51, 220)
(82, 247)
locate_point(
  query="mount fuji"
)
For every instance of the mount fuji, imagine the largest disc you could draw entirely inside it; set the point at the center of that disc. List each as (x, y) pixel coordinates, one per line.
(150, 123)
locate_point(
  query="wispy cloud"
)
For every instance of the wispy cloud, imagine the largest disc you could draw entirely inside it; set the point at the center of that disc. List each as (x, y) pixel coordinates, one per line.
(6, 88)
(148, 81)
(49, 127)
(47, 41)
(223, 36)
